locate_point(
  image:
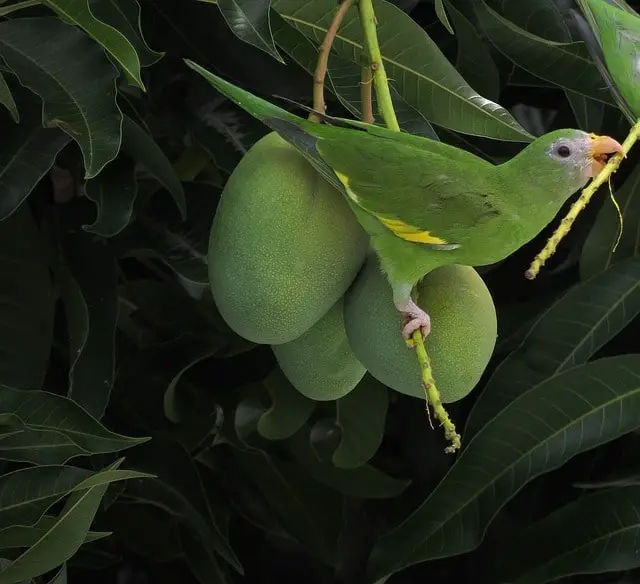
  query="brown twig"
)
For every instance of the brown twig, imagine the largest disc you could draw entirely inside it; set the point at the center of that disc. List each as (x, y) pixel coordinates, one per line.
(366, 93)
(323, 59)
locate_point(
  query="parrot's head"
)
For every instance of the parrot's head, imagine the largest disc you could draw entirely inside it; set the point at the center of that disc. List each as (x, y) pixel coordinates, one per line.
(572, 157)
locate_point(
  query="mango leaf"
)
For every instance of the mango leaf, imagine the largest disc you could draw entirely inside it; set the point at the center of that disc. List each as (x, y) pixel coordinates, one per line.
(6, 99)
(34, 49)
(26, 313)
(26, 494)
(88, 285)
(310, 512)
(249, 21)
(537, 432)
(24, 536)
(544, 18)
(63, 538)
(365, 481)
(578, 324)
(28, 151)
(78, 12)
(565, 64)
(146, 530)
(60, 577)
(414, 63)
(474, 61)
(589, 113)
(598, 250)
(59, 423)
(143, 148)
(442, 16)
(180, 244)
(114, 192)
(563, 543)
(361, 416)
(124, 16)
(202, 564)
(179, 490)
(289, 409)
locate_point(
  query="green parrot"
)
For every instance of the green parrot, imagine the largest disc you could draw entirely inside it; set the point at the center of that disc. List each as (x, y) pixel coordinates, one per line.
(618, 35)
(425, 203)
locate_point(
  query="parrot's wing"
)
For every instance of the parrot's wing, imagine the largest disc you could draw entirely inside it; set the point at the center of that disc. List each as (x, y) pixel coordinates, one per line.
(421, 196)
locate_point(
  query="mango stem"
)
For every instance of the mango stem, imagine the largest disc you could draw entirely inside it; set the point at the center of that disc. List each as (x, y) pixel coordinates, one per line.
(322, 65)
(565, 225)
(385, 107)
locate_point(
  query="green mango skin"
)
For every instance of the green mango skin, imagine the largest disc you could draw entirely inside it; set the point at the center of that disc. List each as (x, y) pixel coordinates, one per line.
(284, 245)
(463, 334)
(320, 364)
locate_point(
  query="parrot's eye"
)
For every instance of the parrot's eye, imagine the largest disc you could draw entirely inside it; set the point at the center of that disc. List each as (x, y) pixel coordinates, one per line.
(564, 151)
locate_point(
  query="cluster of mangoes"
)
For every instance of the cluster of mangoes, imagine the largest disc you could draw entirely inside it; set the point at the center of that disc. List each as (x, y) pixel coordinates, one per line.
(290, 266)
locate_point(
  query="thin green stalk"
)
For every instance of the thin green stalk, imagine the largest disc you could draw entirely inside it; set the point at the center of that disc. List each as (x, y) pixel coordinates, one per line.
(385, 107)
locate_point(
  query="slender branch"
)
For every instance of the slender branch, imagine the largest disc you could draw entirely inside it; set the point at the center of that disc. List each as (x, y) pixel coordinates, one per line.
(380, 80)
(385, 107)
(603, 176)
(323, 60)
(366, 85)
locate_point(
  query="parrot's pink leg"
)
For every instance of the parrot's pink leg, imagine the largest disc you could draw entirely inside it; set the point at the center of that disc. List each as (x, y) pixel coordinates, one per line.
(413, 318)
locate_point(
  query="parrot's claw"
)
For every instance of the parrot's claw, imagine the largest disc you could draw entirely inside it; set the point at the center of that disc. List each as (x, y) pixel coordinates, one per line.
(414, 318)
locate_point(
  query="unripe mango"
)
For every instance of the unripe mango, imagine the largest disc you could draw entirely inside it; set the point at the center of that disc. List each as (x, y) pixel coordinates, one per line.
(320, 363)
(284, 245)
(463, 330)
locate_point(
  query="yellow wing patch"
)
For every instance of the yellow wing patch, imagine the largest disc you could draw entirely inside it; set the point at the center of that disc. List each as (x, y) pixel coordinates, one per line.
(410, 233)
(399, 228)
(344, 179)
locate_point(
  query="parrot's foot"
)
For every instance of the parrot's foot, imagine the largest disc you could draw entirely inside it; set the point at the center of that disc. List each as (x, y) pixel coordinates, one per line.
(413, 318)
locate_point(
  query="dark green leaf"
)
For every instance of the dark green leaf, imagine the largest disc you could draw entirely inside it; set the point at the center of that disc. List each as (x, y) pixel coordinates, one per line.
(35, 48)
(26, 494)
(364, 482)
(88, 285)
(249, 21)
(597, 533)
(143, 148)
(442, 16)
(564, 64)
(537, 432)
(598, 251)
(6, 99)
(28, 151)
(27, 308)
(589, 113)
(61, 575)
(47, 413)
(124, 16)
(361, 415)
(566, 335)
(289, 409)
(181, 245)
(179, 491)
(414, 63)
(63, 537)
(22, 536)
(474, 61)
(114, 192)
(39, 447)
(111, 39)
(202, 564)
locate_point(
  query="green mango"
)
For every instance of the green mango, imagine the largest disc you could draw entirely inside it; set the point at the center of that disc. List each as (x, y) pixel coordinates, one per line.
(284, 245)
(463, 330)
(320, 363)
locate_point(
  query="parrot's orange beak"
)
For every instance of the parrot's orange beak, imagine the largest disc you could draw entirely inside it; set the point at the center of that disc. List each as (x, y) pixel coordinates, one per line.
(602, 147)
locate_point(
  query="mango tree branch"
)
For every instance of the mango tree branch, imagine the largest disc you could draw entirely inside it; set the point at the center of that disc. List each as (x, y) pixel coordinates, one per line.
(366, 83)
(564, 227)
(385, 107)
(323, 60)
